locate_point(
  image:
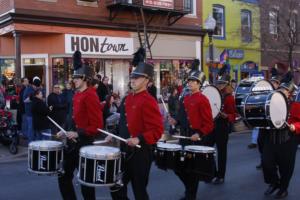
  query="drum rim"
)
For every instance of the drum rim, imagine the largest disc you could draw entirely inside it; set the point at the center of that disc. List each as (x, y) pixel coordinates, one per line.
(286, 103)
(208, 150)
(93, 184)
(219, 96)
(56, 172)
(58, 146)
(169, 149)
(177, 147)
(110, 156)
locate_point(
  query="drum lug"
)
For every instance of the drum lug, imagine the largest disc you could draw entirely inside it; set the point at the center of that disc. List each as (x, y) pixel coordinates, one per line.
(182, 156)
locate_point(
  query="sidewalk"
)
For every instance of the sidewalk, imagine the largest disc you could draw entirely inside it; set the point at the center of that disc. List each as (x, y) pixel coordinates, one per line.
(6, 156)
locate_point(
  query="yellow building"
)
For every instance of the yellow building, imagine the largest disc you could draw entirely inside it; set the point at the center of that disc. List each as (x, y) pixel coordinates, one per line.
(236, 37)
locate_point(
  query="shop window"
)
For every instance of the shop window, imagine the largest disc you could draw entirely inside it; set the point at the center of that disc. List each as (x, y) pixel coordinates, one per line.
(246, 26)
(92, 3)
(219, 16)
(190, 5)
(62, 70)
(7, 69)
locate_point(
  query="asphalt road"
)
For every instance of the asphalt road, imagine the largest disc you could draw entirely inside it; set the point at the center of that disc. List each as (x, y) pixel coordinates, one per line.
(243, 181)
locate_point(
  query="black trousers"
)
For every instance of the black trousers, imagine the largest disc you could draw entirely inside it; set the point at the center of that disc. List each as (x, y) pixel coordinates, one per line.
(137, 164)
(191, 180)
(279, 161)
(260, 141)
(219, 137)
(71, 161)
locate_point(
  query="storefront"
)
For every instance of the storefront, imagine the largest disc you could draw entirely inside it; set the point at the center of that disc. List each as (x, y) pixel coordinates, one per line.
(240, 63)
(47, 53)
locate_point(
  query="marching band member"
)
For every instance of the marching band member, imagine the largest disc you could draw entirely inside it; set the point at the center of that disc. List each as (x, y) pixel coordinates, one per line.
(275, 81)
(142, 123)
(195, 121)
(280, 148)
(87, 116)
(223, 126)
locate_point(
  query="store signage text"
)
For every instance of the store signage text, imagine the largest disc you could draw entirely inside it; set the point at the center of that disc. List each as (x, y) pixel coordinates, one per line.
(236, 53)
(169, 4)
(100, 45)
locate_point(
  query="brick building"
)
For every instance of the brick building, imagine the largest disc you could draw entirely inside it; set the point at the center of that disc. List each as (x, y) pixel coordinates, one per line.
(38, 37)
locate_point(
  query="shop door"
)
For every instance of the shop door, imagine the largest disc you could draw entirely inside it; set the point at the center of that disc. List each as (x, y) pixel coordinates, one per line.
(35, 70)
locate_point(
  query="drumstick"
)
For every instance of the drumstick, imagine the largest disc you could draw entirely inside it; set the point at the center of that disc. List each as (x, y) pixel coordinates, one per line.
(48, 134)
(99, 142)
(166, 109)
(60, 128)
(117, 137)
(183, 137)
(57, 125)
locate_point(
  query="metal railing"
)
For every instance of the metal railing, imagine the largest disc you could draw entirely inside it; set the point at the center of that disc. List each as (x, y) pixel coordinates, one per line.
(175, 5)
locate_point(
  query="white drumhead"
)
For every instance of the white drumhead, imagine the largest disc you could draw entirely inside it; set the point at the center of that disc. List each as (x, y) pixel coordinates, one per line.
(45, 145)
(215, 99)
(170, 146)
(278, 109)
(262, 85)
(196, 148)
(100, 152)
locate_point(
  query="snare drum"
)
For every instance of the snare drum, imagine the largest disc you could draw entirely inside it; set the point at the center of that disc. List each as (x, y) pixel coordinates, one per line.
(265, 110)
(200, 160)
(99, 166)
(167, 155)
(45, 157)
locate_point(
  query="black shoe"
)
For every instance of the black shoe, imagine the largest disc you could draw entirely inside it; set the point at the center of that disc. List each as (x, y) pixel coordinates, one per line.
(218, 181)
(281, 194)
(259, 166)
(271, 189)
(182, 198)
(252, 146)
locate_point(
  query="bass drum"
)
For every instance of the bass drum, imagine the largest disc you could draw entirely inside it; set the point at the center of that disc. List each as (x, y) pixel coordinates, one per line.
(265, 110)
(247, 87)
(214, 97)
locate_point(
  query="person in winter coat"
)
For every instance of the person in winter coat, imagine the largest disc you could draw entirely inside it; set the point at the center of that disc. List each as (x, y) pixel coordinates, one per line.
(59, 107)
(40, 111)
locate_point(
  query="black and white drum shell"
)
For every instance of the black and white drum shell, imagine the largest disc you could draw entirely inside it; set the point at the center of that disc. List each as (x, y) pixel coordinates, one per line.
(200, 160)
(99, 166)
(45, 157)
(248, 87)
(266, 110)
(167, 155)
(214, 97)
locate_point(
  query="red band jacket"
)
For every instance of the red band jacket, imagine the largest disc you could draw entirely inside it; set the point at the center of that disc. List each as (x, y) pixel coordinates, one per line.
(87, 113)
(294, 117)
(144, 119)
(199, 113)
(229, 108)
